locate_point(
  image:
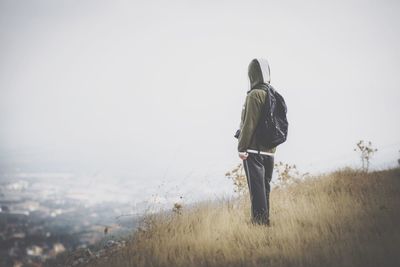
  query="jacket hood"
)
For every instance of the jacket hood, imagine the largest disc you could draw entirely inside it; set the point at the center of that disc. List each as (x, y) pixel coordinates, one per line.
(259, 72)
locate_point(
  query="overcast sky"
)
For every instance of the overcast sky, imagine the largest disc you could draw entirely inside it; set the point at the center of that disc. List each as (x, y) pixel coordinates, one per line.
(154, 89)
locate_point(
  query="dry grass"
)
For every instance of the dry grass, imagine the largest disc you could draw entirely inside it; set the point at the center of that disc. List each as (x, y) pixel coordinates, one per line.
(346, 218)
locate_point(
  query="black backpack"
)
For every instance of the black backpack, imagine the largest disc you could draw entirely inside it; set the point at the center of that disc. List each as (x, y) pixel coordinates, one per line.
(272, 129)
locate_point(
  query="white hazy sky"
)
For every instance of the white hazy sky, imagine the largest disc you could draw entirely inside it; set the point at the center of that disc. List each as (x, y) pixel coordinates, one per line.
(154, 89)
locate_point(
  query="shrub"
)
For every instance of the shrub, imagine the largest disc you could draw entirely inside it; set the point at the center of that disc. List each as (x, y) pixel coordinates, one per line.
(366, 151)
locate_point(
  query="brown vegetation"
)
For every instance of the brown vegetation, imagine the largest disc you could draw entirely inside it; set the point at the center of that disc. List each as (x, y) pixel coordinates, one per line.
(346, 218)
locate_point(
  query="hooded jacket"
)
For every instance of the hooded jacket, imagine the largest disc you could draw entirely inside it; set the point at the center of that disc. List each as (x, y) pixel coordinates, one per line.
(259, 75)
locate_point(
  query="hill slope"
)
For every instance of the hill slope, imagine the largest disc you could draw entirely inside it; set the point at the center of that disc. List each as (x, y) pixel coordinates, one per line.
(345, 218)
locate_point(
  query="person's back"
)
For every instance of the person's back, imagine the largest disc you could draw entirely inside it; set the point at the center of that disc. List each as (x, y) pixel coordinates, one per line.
(254, 104)
(258, 161)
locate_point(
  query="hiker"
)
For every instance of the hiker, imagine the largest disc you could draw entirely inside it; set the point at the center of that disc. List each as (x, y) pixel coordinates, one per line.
(258, 160)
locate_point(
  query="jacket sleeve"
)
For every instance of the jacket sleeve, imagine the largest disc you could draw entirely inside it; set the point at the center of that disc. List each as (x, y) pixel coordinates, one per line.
(252, 114)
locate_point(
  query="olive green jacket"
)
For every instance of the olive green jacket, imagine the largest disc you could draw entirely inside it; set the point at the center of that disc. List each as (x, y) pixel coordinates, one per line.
(251, 112)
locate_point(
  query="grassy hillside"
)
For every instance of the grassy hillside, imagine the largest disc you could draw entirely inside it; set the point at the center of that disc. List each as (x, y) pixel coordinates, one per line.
(345, 218)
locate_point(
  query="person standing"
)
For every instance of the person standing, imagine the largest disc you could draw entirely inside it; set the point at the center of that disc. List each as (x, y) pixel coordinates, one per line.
(258, 160)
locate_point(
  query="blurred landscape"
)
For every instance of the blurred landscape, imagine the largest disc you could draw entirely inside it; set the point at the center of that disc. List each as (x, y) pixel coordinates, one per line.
(43, 215)
(65, 219)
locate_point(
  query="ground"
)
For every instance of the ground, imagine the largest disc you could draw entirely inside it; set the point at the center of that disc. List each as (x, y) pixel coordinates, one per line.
(344, 218)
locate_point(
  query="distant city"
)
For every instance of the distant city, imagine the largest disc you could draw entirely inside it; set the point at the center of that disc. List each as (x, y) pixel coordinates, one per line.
(42, 215)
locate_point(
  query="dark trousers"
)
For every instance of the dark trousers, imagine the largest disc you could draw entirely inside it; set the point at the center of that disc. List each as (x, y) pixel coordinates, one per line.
(258, 169)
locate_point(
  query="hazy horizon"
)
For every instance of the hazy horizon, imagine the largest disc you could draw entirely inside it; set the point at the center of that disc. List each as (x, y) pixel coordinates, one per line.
(152, 92)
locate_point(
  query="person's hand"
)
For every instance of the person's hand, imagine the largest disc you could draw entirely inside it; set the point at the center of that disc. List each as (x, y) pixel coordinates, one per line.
(243, 155)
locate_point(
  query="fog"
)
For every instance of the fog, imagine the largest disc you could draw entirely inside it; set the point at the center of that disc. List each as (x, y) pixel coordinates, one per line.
(151, 92)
